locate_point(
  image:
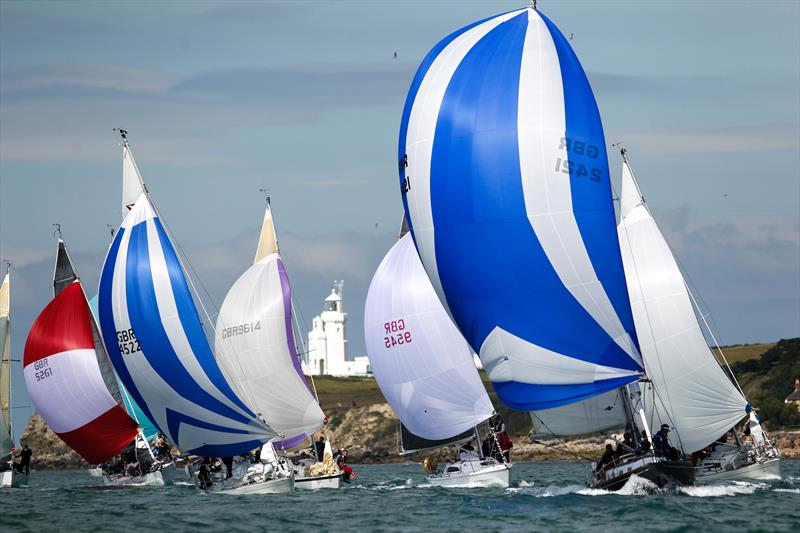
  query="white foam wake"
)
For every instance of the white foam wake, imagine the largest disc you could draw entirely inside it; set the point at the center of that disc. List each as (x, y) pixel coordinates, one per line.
(727, 489)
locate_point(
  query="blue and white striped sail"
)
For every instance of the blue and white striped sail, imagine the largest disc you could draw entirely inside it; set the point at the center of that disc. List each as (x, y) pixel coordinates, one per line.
(158, 347)
(505, 181)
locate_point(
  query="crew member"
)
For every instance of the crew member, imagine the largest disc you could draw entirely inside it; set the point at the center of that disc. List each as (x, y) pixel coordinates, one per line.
(661, 443)
(347, 471)
(319, 448)
(24, 459)
(607, 458)
(228, 462)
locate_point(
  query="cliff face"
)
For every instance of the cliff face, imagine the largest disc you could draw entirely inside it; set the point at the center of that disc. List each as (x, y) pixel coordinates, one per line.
(370, 434)
(49, 451)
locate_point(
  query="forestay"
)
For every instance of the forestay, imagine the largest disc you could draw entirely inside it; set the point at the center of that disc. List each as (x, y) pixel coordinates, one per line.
(256, 350)
(604, 412)
(689, 389)
(6, 443)
(421, 362)
(159, 349)
(504, 176)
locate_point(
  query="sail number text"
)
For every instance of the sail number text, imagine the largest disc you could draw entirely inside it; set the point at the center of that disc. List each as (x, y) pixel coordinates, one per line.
(43, 370)
(127, 342)
(241, 329)
(396, 333)
(580, 159)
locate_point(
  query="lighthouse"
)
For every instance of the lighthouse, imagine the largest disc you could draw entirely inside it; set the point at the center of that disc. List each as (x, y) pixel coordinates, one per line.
(327, 340)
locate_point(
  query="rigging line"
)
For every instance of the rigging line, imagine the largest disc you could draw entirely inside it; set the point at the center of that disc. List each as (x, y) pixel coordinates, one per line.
(180, 252)
(685, 275)
(714, 339)
(641, 290)
(171, 235)
(299, 336)
(562, 442)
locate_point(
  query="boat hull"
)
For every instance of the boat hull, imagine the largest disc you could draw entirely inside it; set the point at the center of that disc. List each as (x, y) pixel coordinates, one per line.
(763, 471)
(333, 481)
(272, 486)
(12, 478)
(160, 478)
(495, 475)
(658, 470)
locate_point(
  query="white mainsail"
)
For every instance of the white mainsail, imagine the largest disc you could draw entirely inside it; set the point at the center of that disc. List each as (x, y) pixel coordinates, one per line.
(255, 345)
(6, 443)
(421, 362)
(689, 389)
(132, 184)
(605, 412)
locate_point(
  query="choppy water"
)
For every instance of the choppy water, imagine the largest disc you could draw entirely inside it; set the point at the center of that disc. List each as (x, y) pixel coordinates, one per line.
(544, 496)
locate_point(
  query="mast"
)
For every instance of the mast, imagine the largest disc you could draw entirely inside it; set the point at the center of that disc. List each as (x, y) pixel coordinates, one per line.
(64, 275)
(6, 435)
(677, 359)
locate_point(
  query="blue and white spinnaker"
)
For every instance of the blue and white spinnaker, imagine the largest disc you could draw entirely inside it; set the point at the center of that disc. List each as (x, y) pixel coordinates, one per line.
(505, 182)
(158, 347)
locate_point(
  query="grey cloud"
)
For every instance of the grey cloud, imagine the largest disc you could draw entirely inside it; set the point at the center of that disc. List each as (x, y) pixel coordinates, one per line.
(745, 268)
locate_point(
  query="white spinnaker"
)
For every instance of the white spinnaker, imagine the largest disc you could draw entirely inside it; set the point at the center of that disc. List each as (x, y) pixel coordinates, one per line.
(5, 368)
(421, 362)
(132, 184)
(600, 413)
(255, 349)
(689, 389)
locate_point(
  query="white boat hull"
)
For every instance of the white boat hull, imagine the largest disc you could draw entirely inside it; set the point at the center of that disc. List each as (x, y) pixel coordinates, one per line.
(763, 471)
(12, 478)
(272, 486)
(496, 475)
(160, 478)
(319, 482)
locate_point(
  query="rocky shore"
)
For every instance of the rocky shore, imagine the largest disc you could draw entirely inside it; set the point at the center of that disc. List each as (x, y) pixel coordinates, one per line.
(370, 434)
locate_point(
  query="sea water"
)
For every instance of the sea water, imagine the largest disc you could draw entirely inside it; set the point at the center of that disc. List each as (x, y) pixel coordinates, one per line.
(544, 496)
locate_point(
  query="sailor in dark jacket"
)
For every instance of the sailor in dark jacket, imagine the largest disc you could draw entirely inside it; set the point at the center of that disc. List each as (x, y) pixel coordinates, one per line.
(661, 443)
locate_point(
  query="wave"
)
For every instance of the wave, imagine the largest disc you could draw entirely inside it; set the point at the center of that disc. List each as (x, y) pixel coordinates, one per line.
(728, 489)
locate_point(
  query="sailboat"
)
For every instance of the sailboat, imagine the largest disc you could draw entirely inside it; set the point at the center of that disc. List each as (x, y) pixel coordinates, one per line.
(505, 183)
(132, 187)
(70, 381)
(9, 476)
(426, 372)
(689, 390)
(255, 348)
(161, 354)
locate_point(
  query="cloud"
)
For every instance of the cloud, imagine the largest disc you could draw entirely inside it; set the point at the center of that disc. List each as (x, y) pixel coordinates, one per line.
(756, 138)
(65, 112)
(744, 270)
(120, 78)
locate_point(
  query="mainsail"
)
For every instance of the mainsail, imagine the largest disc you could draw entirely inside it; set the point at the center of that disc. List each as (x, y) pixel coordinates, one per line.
(6, 443)
(505, 182)
(158, 346)
(411, 443)
(67, 373)
(604, 412)
(689, 389)
(421, 362)
(255, 346)
(132, 184)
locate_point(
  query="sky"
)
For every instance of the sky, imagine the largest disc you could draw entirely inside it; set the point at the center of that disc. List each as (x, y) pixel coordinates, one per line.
(304, 99)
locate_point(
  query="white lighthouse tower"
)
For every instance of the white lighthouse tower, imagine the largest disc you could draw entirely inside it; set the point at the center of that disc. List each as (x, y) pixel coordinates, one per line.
(327, 340)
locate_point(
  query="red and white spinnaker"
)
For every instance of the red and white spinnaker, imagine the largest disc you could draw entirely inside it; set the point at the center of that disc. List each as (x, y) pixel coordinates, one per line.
(65, 382)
